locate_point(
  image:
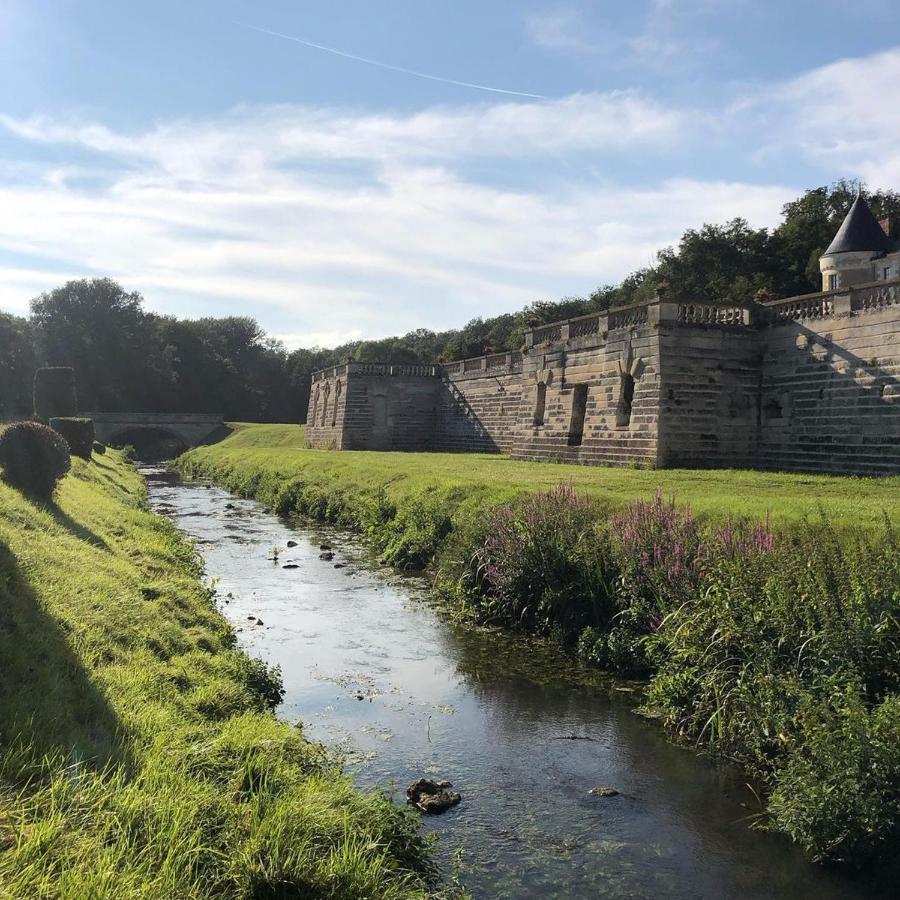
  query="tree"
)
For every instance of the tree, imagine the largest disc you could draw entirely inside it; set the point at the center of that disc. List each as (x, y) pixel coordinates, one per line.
(100, 330)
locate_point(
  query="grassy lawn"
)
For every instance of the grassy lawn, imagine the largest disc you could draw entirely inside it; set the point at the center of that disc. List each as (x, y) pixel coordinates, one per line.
(139, 757)
(278, 450)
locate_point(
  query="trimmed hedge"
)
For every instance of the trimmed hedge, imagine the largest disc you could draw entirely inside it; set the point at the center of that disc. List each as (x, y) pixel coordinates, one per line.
(79, 434)
(54, 393)
(34, 458)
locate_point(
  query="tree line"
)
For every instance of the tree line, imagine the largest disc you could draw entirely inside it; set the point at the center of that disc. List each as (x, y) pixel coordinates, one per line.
(127, 358)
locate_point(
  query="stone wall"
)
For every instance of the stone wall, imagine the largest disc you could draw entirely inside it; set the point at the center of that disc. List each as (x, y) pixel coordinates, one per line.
(327, 408)
(584, 365)
(830, 385)
(371, 406)
(481, 404)
(809, 384)
(709, 386)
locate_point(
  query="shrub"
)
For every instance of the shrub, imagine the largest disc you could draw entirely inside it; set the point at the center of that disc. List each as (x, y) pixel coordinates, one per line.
(99, 448)
(54, 393)
(839, 794)
(546, 566)
(79, 434)
(33, 457)
(789, 661)
(659, 547)
(411, 537)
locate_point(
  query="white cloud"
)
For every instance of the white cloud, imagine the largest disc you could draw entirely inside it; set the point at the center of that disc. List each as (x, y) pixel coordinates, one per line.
(843, 115)
(257, 208)
(251, 137)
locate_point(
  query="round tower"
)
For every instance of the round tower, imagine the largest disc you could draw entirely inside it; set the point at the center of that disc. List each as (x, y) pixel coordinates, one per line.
(854, 256)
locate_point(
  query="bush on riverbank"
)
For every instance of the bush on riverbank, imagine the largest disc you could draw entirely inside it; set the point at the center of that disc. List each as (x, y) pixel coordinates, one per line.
(544, 567)
(33, 458)
(139, 757)
(78, 434)
(750, 636)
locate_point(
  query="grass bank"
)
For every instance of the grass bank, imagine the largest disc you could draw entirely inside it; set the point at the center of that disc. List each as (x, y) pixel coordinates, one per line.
(139, 754)
(266, 458)
(766, 616)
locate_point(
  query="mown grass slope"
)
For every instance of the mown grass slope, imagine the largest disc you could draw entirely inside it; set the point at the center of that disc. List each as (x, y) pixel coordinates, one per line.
(277, 451)
(139, 756)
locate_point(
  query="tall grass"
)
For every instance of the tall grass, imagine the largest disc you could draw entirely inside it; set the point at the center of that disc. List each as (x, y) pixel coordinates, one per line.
(139, 756)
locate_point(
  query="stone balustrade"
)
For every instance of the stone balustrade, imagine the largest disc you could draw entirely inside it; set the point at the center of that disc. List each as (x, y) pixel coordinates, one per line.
(809, 307)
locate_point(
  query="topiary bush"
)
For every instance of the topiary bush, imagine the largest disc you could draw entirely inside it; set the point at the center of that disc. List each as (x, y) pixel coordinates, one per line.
(34, 458)
(54, 393)
(79, 434)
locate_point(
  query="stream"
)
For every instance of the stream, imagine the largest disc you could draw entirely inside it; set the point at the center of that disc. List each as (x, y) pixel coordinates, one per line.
(372, 670)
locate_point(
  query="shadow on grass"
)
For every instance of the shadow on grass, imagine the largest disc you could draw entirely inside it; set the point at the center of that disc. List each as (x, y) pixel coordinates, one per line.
(48, 701)
(82, 532)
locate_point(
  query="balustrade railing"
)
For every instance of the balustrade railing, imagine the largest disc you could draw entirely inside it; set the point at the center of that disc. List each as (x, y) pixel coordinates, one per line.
(793, 309)
(712, 314)
(875, 296)
(628, 316)
(548, 334)
(357, 368)
(584, 326)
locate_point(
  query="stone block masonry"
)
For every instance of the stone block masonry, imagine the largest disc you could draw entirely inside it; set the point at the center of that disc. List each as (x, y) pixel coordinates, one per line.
(806, 384)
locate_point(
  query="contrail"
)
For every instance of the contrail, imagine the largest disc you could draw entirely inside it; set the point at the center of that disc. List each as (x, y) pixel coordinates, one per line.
(384, 65)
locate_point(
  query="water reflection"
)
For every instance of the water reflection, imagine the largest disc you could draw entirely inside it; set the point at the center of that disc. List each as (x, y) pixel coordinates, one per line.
(371, 669)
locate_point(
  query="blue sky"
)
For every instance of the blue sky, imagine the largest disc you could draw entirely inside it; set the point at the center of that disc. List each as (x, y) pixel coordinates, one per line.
(220, 169)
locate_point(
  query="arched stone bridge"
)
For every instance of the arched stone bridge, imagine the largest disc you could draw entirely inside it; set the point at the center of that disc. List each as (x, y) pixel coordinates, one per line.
(186, 429)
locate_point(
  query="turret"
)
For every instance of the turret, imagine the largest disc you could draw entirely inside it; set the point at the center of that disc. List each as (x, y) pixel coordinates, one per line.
(862, 251)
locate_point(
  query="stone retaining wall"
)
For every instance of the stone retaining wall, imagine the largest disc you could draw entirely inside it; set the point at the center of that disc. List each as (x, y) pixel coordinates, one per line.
(809, 383)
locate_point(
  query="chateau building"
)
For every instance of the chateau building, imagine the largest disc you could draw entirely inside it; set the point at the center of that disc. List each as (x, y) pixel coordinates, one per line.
(808, 383)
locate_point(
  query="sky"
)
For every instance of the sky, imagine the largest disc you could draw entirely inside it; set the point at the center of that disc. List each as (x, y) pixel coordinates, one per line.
(362, 168)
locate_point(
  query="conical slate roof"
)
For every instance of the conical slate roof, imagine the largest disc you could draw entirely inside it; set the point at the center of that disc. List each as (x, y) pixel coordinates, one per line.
(860, 231)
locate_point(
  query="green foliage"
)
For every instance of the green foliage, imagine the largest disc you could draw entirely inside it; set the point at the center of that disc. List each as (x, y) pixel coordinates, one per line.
(411, 537)
(78, 433)
(545, 567)
(139, 757)
(838, 794)
(33, 457)
(130, 360)
(54, 392)
(752, 665)
(733, 261)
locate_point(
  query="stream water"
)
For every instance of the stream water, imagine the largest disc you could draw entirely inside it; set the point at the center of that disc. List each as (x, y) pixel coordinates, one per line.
(372, 670)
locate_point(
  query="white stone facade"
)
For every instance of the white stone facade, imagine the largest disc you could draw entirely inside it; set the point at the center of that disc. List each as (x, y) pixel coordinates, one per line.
(843, 270)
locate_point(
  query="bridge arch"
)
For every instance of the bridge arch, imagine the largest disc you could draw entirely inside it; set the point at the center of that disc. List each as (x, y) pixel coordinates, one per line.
(157, 435)
(150, 442)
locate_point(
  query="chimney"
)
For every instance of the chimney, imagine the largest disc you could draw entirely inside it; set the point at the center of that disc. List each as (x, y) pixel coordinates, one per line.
(890, 225)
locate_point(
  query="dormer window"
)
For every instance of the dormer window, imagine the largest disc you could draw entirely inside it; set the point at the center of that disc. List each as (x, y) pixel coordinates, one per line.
(886, 273)
(833, 281)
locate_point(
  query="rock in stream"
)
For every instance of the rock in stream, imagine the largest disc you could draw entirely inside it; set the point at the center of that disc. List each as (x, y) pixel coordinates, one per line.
(432, 796)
